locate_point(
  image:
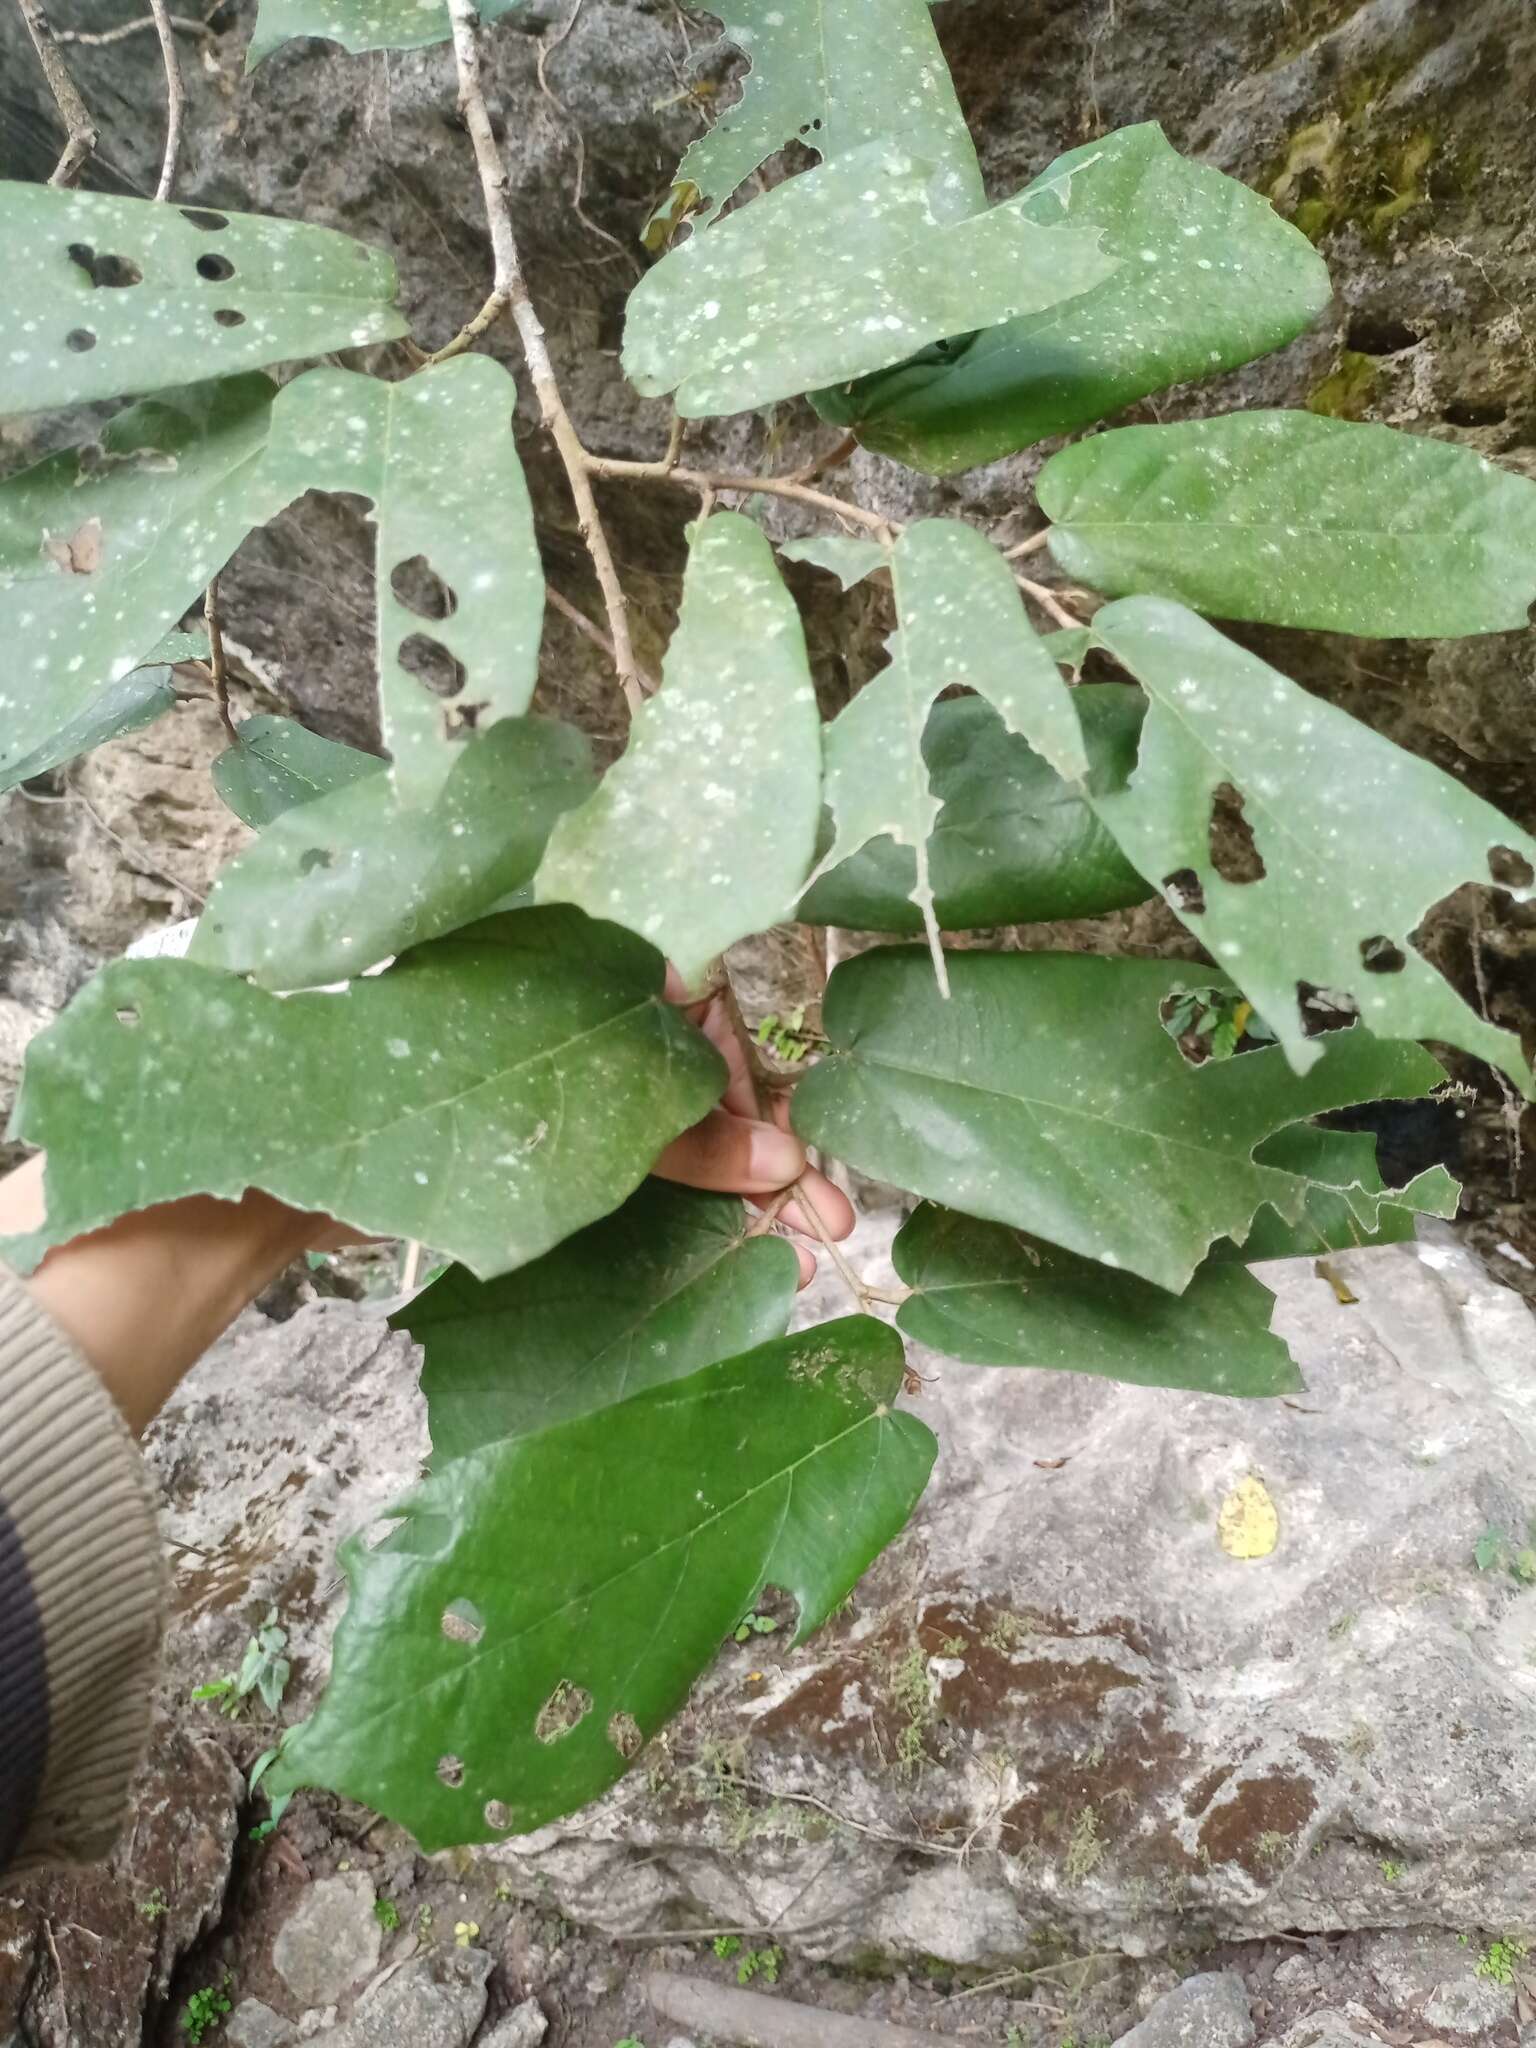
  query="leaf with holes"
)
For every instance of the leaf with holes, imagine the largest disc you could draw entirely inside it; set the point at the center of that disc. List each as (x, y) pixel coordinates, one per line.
(359, 24)
(843, 555)
(993, 1296)
(489, 1095)
(1013, 843)
(276, 763)
(1342, 1167)
(834, 75)
(1297, 520)
(460, 589)
(665, 1286)
(705, 829)
(1209, 277)
(549, 1599)
(959, 620)
(102, 549)
(841, 271)
(1355, 838)
(103, 296)
(339, 883)
(1047, 1094)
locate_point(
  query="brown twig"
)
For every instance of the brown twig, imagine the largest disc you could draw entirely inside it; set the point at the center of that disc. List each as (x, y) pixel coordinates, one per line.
(595, 634)
(707, 480)
(470, 332)
(218, 669)
(509, 280)
(94, 40)
(1050, 603)
(546, 49)
(79, 128)
(175, 97)
(1028, 547)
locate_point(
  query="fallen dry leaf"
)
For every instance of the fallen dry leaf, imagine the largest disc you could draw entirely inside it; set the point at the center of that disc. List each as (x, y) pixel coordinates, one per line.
(1249, 1523)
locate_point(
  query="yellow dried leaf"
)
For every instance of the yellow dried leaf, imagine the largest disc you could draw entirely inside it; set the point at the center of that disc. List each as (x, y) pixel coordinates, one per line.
(1249, 1523)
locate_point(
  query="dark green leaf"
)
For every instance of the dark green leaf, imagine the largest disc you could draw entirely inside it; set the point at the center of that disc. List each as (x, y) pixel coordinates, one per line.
(102, 296)
(549, 1600)
(1013, 844)
(276, 763)
(1298, 520)
(667, 1285)
(138, 700)
(1047, 1094)
(704, 830)
(1342, 1166)
(103, 549)
(1209, 277)
(993, 1296)
(343, 881)
(489, 1095)
(360, 24)
(1358, 838)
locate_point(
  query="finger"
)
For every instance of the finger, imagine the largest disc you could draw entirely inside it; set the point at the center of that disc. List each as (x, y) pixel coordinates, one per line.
(733, 1156)
(832, 1207)
(807, 1268)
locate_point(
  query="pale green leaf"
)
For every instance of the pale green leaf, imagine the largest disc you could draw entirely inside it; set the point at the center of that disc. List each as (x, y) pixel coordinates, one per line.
(549, 1600)
(360, 24)
(840, 271)
(276, 763)
(1046, 1094)
(1347, 1187)
(489, 1095)
(993, 1296)
(100, 296)
(667, 1285)
(435, 455)
(705, 829)
(102, 549)
(833, 75)
(1209, 277)
(139, 699)
(1358, 838)
(1298, 520)
(1070, 646)
(1013, 843)
(843, 555)
(338, 883)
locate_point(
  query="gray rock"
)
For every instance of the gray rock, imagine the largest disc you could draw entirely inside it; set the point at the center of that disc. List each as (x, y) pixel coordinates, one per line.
(524, 2027)
(254, 2025)
(1329, 2030)
(436, 2001)
(1210, 2011)
(1471, 2005)
(1436, 1975)
(330, 1941)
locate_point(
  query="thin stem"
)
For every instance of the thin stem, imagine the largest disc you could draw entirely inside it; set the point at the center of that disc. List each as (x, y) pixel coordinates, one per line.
(595, 634)
(705, 480)
(509, 280)
(470, 332)
(175, 97)
(182, 23)
(217, 668)
(1049, 603)
(1028, 547)
(79, 128)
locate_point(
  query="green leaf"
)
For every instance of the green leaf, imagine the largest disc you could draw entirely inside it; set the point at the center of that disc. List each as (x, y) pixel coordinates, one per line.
(103, 296)
(276, 763)
(833, 75)
(549, 1599)
(1342, 1167)
(460, 589)
(138, 700)
(960, 620)
(103, 548)
(1357, 837)
(1070, 646)
(339, 883)
(1298, 520)
(705, 829)
(840, 271)
(843, 555)
(360, 24)
(1013, 843)
(992, 1296)
(1046, 1094)
(489, 1095)
(667, 1285)
(1209, 278)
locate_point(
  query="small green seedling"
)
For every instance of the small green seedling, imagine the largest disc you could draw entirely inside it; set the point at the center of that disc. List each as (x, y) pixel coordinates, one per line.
(1211, 1023)
(754, 1625)
(1499, 1959)
(206, 2009)
(154, 1907)
(264, 1670)
(1496, 1550)
(761, 1963)
(727, 1946)
(387, 1913)
(1393, 1871)
(786, 1037)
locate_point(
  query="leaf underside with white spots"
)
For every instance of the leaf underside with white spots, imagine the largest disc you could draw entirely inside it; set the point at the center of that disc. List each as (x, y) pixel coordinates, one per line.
(665, 1286)
(488, 1095)
(833, 75)
(1210, 277)
(1046, 1094)
(705, 829)
(843, 270)
(994, 1296)
(360, 24)
(843, 555)
(276, 763)
(1341, 1165)
(435, 455)
(337, 884)
(103, 549)
(1343, 821)
(1293, 519)
(1013, 843)
(548, 1600)
(959, 620)
(101, 297)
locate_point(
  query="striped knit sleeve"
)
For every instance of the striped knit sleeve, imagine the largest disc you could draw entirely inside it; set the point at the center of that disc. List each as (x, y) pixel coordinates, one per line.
(82, 1596)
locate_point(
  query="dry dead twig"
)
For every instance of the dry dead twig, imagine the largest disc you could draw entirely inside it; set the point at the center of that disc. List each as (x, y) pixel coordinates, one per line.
(79, 129)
